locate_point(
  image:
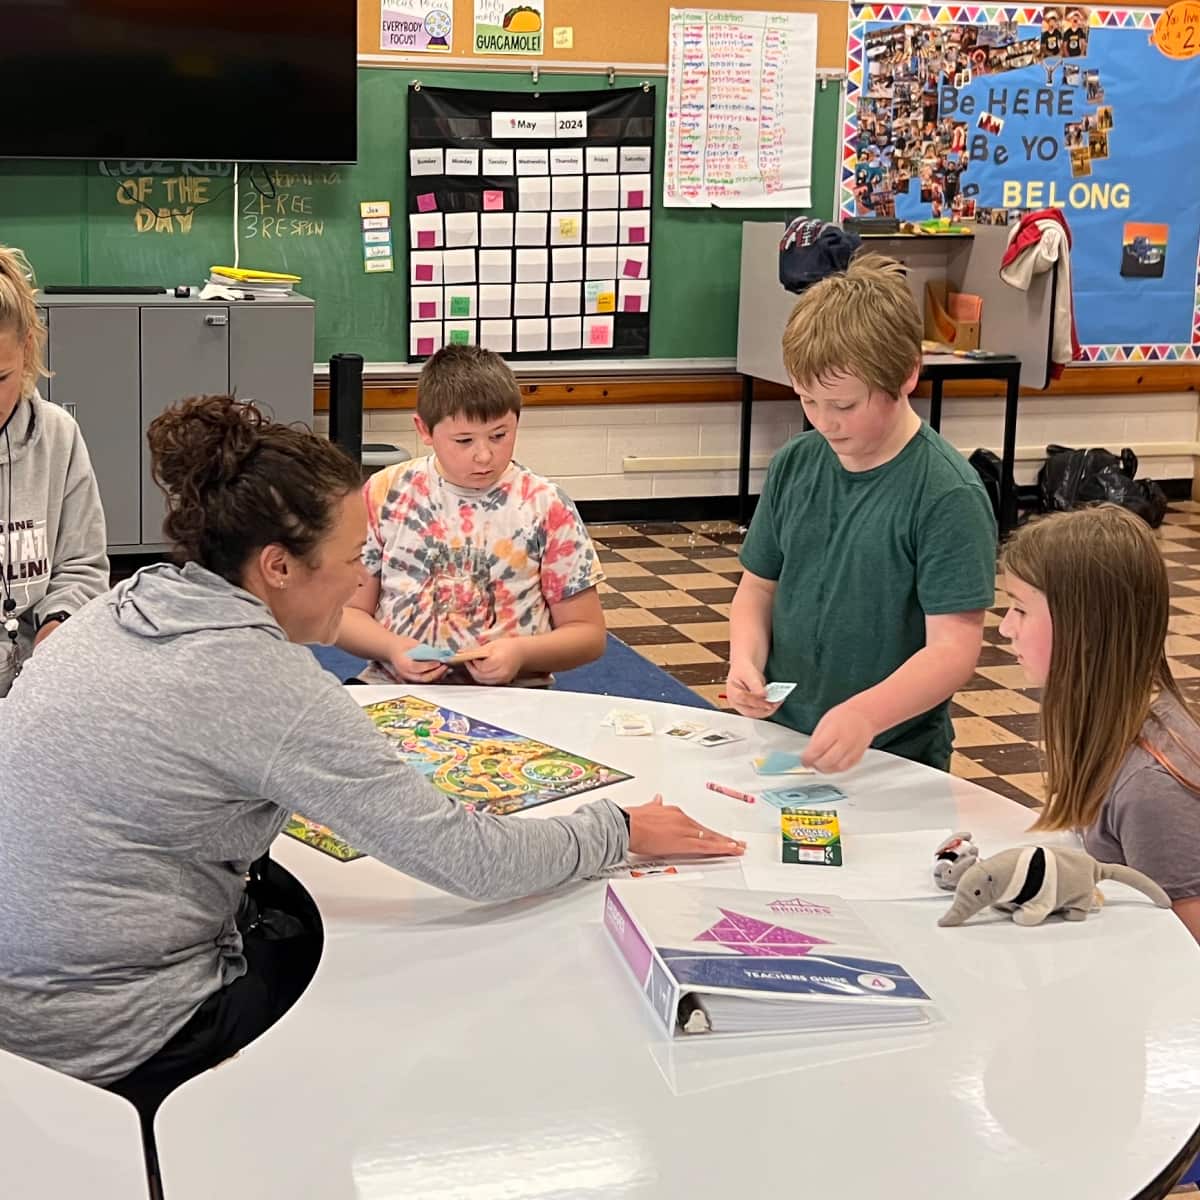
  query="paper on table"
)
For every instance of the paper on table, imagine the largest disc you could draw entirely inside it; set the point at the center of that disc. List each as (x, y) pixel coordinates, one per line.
(533, 266)
(496, 229)
(876, 866)
(533, 194)
(495, 266)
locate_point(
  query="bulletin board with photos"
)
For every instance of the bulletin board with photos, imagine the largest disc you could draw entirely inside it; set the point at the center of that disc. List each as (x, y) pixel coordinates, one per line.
(529, 221)
(987, 113)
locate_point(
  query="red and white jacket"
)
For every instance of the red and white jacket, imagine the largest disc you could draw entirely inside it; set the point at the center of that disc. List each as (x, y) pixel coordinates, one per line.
(1041, 240)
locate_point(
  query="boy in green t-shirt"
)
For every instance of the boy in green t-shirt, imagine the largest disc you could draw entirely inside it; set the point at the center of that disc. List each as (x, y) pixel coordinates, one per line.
(872, 553)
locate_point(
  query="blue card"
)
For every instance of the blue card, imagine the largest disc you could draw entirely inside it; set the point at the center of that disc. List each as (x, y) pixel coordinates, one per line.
(428, 654)
(803, 795)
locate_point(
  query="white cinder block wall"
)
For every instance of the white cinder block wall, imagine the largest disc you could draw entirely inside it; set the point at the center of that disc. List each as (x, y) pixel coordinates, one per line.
(592, 451)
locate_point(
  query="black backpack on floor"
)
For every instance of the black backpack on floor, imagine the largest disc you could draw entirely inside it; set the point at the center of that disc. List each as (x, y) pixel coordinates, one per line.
(1074, 478)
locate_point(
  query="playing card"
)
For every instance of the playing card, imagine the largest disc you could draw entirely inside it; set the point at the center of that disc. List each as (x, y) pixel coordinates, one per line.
(778, 692)
(684, 730)
(718, 737)
(802, 795)
(633, 725)
(780, 762)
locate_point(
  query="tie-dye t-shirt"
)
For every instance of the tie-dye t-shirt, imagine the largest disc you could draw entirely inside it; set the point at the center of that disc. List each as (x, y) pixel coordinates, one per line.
(459, 566)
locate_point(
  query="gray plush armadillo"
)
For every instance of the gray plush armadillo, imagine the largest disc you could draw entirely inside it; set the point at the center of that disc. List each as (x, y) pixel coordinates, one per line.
(1031, 882)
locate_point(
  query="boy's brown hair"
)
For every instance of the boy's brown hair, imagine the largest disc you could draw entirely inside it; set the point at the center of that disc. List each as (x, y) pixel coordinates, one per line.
(466, 381)
(862, 322)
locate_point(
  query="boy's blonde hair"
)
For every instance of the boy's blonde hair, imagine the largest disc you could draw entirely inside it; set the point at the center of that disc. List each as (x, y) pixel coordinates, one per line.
(863, 322)
(1106, 587)
(466, 381)
(19, 315)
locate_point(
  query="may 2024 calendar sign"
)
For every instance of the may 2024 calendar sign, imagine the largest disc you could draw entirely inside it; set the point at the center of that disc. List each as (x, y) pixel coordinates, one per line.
(985, 113)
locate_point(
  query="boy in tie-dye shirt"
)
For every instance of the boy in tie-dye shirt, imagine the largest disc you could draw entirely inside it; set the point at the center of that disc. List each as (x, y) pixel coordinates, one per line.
(467, 548)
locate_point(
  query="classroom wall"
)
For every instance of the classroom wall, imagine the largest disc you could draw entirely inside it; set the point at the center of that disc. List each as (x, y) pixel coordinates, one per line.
(585, 448)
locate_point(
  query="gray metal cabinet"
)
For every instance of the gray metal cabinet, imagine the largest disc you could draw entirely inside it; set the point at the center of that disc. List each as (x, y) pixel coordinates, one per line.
(118, 361)
(94, 360)
(263, 364)
(185, 352)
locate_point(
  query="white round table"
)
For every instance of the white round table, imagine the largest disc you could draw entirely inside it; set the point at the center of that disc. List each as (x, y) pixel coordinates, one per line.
(62, 1139)
(447, 1049)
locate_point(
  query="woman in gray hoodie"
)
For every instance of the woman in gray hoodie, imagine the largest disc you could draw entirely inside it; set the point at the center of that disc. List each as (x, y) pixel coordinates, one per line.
(52, 559)
(164, 735)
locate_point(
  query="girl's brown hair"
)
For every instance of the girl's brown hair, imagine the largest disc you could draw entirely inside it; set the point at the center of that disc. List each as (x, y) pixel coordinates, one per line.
(236, 482)
(1106, 587)
(19, 315)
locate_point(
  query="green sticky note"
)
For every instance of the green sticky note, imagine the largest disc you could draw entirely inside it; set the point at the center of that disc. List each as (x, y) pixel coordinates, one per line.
(460, 306)
(459, 337)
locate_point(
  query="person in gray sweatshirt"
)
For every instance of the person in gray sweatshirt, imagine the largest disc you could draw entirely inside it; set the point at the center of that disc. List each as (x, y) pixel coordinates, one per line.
(52, 538)
(155, 747)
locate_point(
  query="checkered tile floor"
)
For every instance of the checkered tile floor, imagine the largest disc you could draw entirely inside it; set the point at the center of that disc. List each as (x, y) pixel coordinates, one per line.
(668, 593)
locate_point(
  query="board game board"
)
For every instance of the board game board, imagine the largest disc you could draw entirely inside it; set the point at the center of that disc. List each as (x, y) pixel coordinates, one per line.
(478, 764)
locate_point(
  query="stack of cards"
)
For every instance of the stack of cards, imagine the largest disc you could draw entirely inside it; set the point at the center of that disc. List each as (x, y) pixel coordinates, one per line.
(803, 795)
(626, 723)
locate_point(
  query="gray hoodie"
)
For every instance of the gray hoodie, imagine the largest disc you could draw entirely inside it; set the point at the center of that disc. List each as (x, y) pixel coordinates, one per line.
(53, 555)
(152, 748)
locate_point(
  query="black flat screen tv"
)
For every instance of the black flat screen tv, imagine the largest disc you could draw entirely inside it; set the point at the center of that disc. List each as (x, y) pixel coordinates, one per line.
(205, 80)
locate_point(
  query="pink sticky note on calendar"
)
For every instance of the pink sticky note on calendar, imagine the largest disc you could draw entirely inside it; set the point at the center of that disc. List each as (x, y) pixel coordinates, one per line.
(637, 199)
(424, 345)
(427, 310)
(632, 268)
(428, 202)
(598, 335)
(493, 201)
(633, 304)
(427, 239)
(637, 233)
(423, 272)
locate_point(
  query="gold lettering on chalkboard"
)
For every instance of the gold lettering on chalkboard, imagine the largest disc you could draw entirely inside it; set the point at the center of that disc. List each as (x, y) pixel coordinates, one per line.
(145, 192)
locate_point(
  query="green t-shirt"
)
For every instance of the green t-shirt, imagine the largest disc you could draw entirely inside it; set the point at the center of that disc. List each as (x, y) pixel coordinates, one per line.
(860, 559)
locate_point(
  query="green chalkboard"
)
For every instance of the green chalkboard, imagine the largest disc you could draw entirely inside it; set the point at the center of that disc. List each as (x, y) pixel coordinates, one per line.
(167, 223)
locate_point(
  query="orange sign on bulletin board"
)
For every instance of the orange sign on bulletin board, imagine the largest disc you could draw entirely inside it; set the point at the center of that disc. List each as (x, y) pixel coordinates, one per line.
(623, 34)
(1177, 31)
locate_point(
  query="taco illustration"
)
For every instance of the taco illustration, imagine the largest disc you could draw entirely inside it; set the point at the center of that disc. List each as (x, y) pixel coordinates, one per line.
(522, 19)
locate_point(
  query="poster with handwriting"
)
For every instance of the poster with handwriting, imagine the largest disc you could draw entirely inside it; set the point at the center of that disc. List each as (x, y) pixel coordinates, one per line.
(740, 102)
(416, 26)
(505, 27)
(993, 113)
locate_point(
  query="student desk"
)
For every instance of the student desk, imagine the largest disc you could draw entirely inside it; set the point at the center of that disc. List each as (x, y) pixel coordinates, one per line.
(936, 369)
(448, 1049)
(61, 1139)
